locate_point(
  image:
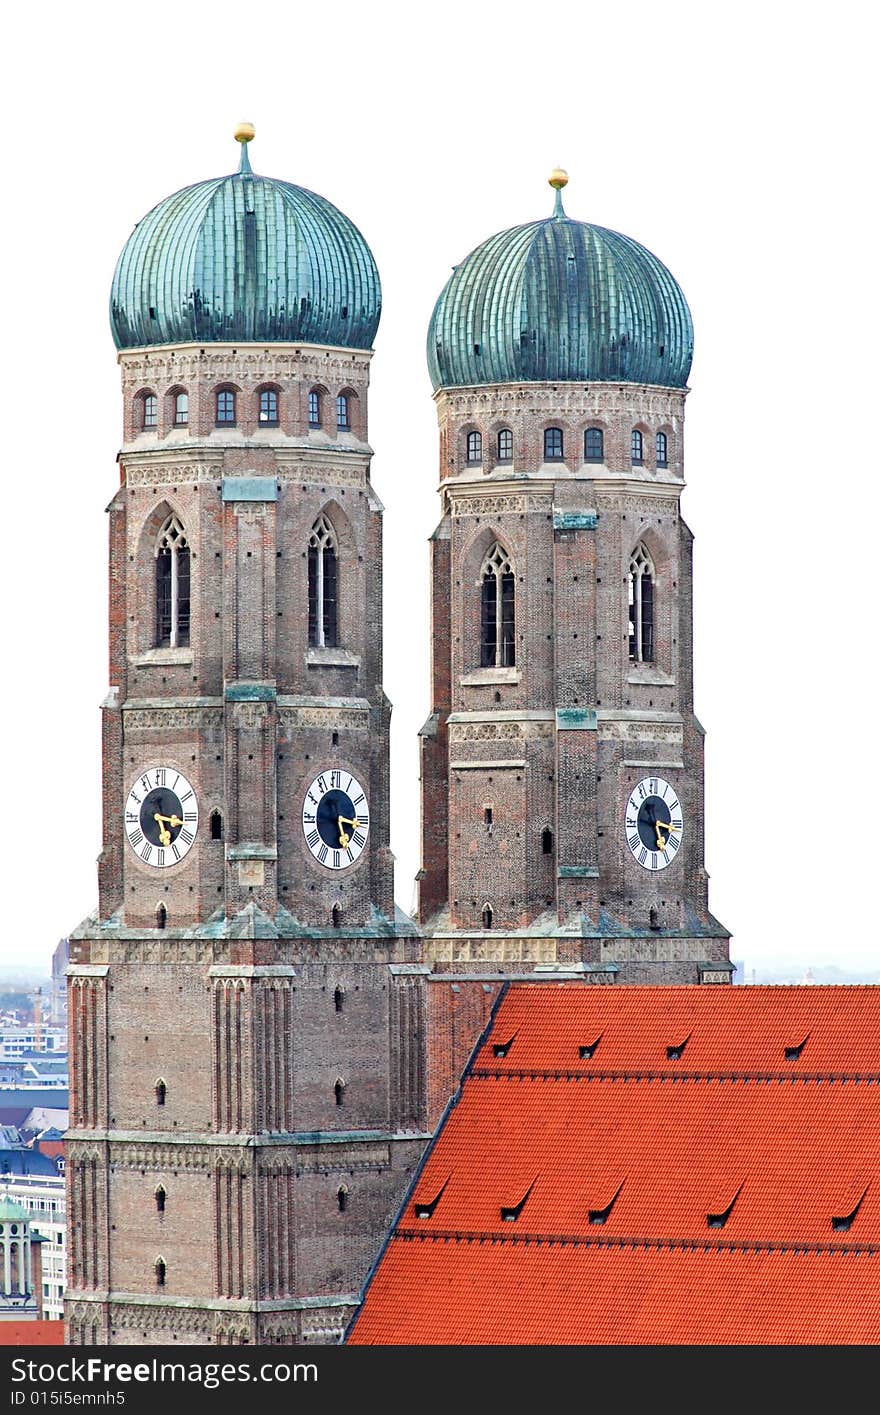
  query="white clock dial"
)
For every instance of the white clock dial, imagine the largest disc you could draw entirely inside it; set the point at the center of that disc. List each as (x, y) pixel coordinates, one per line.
(161, 816)
(654, 823)
(336, 819)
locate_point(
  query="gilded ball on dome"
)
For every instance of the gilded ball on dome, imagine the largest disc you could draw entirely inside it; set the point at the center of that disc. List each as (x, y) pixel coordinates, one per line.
(244, 132)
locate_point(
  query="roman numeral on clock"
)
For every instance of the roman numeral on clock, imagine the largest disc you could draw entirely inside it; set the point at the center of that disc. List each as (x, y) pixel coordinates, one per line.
(312, 839)
(323, 853)
(359, 839)
(135, 838)
(187, 837)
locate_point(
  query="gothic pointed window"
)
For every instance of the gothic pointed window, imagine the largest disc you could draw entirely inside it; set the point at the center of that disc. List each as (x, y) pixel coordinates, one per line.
(498, 611)
(553, 444)
(474, 448)
(637, 447)
(172, 586)
(662, 448)
(322, 585)
(594, 445)
(505, 445)
(641, 606)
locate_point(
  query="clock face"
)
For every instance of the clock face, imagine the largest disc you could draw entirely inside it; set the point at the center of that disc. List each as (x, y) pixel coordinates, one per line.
(336, 819)
(161, 816)
(654, 823)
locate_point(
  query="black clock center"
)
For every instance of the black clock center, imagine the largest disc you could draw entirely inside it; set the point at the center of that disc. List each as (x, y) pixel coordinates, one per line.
(653, 812)
(166, 805)
(335, 812)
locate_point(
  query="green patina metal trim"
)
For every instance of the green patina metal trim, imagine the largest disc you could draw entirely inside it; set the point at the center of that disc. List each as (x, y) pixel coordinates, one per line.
(250, 489)
(578, 872)
(575, 520)
(249, 693)
(575, 719)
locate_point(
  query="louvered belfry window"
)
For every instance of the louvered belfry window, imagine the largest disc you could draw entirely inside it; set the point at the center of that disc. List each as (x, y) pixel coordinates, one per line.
(641, 606)
(498, 611)
(323, 622)
(172, 586)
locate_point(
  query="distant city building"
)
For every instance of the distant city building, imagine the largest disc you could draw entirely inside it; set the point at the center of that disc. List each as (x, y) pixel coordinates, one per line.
(25, 1037)
(21, 1284)
(34, 1182)
(58, 995)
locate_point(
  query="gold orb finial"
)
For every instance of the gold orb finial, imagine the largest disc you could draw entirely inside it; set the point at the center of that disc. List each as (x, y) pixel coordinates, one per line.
(558, 178)
(244, 132)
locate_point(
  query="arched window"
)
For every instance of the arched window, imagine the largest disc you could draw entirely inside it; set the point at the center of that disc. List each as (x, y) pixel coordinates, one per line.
(552, 445)
(268, 407)
(335, 916)
(339, 999)
(487, 916)
(149, 412)
(498, 615)
(594, 445)
(322, 585)
(314, 408)
(474, 448)
(342, 1198)
(161, 1092)
(637, 447)
(547, 841)
(172, 586)
(225, 408)
(505, 445)
(342, 421)
(641, 606)
(181, 409)
(161, 1270)
(662, 447)
(339, 1091)
(161, 916)
(216, 826)
(160, 1199)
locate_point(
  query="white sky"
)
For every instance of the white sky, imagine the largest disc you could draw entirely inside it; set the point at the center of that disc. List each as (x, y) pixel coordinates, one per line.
(737, 143)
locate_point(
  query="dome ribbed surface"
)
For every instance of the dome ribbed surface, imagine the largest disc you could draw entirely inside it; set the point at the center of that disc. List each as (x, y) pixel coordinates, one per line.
(560, 300)
(245, 258)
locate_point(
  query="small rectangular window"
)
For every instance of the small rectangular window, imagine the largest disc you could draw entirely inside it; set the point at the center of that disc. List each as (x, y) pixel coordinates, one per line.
(474, 447)
(269, 408)
(314, 410)
(553, 444)
(662, 450)
(181, 410)
(594, 450)
(505, 445)
(225, 408)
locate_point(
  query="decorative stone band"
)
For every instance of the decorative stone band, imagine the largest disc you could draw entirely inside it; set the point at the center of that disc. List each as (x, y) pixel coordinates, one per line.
(499, 505)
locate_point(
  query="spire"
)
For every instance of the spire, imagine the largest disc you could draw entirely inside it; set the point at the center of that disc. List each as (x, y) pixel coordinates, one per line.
(244, 133)
(558, 179)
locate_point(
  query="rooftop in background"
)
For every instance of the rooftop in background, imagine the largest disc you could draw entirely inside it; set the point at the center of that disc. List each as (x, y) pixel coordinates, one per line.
(245, 258)
(657, 1165)
(31, 1333)
(560, 300)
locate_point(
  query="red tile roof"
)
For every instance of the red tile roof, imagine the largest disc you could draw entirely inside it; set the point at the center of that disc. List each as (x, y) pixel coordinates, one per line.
(730, 1195)
(31, 1333)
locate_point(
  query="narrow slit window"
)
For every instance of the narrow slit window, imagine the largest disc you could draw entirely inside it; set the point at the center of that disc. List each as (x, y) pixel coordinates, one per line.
(269, 407)
(498, 611)
(505, 445)
(342, 1198)
(637, 447)
(339, 1092)
(339, 999)
(547, 841)
(216, 826)
(488, 916)
(314, 408)
(160, 1199)
(335, 916)
(161, 916)
(641, 606)
(553, 444)
(594, 445)
(161, 1092)
(172, 586)
(323, 623)
(160, 1269)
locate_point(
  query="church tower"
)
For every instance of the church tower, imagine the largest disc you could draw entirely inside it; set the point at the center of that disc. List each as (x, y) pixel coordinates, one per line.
(245, 1107)
(562, 763)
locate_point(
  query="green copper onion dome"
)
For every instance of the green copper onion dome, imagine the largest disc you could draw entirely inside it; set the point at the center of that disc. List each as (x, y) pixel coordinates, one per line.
(246, 258)
(560, 300)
